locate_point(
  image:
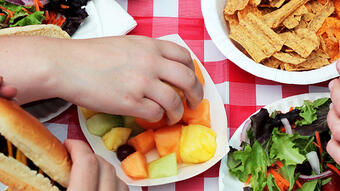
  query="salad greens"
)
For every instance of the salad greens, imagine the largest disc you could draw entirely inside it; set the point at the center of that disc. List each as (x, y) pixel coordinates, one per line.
(276, 161)
(66, 14)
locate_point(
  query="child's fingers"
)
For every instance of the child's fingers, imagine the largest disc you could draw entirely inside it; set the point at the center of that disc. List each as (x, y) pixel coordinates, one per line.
(334, 87)
(333, 122)
(333, 148)
(175, 52)
(168, 99)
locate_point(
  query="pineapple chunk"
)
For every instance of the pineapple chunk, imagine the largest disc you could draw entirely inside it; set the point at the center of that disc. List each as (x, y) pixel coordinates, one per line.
(116, 137)
(198, 144)
(87, 113)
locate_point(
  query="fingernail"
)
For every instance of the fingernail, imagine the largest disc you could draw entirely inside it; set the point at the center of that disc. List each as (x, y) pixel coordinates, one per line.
(331, 84)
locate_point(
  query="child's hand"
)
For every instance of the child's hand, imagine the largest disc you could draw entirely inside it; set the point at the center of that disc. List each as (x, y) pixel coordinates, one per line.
(333, 118)
(91, 172)
(127, 75)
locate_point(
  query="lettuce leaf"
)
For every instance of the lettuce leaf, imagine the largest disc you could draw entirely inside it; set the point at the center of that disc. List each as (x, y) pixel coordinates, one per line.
(308, 186)
(284, 149)
(250, 161)
(33, 19)
(308, 111)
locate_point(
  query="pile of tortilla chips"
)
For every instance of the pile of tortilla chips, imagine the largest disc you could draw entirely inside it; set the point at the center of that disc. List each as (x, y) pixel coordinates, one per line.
(292, 35)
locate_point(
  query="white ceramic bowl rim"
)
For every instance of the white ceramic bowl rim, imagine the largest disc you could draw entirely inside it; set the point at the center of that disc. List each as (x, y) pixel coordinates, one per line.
(216, 26)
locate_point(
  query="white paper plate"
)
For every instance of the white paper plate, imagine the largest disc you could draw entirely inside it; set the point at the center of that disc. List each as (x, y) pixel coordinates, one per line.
(226, 181)
(218, 124)
(217, 28)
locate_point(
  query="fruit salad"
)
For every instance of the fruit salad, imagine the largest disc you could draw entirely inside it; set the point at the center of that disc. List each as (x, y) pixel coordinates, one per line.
(190, 141)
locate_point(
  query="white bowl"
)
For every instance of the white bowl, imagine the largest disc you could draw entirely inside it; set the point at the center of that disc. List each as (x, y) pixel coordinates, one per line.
(217, 28)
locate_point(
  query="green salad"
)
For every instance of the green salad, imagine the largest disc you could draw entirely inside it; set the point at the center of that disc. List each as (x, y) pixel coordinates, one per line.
(286, 151)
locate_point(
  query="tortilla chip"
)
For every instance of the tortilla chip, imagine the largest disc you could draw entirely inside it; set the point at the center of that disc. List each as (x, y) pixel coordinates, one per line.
(272, 62)
(294, 19)
(337, 7)
(275, 18)
(320, 17)
(314, 6)
(256, 37)
(316, 60)
(277, 3)
(322, 1)
(331, 48)
(254, 2)
(248, 9)
(232, 19)
(235, 5)
(291, 58)
(302, 41)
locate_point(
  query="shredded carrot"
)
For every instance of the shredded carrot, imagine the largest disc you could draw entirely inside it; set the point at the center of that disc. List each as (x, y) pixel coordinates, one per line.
(317, 145)
(248, 181)
(64, 6)
(36, 5)
(318, 141)
(47, 16)
(281, 182)
(279, 164)
(336, 170)
(10, 14)
(298, 183)
(293, 125)
(2, 14)
(291, 108)
(27, 11)
(40, 4)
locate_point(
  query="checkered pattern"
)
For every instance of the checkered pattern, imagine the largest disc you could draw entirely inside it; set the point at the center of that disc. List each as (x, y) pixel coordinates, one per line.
(242, 92)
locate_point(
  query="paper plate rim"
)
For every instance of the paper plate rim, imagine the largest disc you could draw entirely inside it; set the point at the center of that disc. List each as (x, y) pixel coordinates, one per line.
(235, 139)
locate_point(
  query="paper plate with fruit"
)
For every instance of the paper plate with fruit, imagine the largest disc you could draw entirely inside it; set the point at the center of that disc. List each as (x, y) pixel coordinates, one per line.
(146, 154)
(282, 147)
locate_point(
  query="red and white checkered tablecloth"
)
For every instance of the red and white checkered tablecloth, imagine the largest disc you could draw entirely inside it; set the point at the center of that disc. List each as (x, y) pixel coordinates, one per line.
(242, 92)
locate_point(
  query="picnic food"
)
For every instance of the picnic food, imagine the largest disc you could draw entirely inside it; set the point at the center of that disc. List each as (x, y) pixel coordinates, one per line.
(27, 146)
(163, 167)
(286, 151)
(293, 35)
(66, 14)
(101, 123)
(155, 150)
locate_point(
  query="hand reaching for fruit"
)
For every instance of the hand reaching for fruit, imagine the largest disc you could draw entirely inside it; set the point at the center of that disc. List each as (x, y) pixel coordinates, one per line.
(126, 75)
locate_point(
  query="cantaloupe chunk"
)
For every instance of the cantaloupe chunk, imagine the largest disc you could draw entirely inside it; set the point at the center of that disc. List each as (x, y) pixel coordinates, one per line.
(148, 125)
(198, 72)
(135, 166)
(167, 140)
(143, 142)
(200, 115)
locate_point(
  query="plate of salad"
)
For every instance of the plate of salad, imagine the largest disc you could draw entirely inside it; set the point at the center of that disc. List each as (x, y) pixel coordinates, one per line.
(282, 147)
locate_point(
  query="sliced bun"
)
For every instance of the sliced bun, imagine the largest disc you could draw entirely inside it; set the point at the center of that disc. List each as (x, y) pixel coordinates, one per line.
(49, 30)
(35, 141)
(21, 178)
